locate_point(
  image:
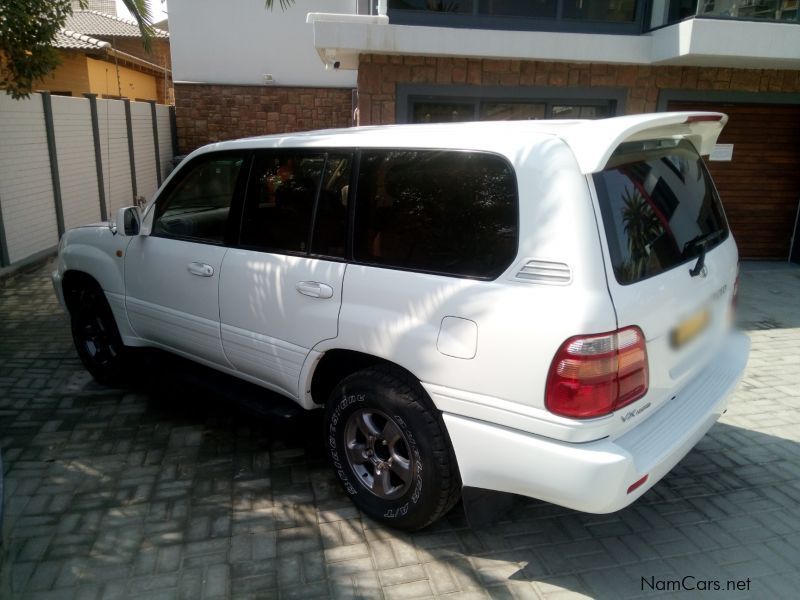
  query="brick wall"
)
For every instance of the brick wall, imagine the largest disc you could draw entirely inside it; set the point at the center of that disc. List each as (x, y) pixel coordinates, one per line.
(378, 76)
(159, 53)
(211, 113)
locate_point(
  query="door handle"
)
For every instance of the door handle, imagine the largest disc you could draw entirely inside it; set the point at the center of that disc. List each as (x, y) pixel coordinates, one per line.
(201, 269)
(314, 289)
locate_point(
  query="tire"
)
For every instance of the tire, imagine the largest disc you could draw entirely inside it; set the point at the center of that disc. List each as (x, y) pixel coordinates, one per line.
(96, 337)
(390, 449)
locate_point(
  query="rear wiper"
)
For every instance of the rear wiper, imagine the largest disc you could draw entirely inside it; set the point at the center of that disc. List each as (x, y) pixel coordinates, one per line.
(701, 240)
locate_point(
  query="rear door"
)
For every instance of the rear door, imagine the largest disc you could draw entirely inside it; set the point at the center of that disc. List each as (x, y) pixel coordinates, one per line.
(671, 260)
(281, 288)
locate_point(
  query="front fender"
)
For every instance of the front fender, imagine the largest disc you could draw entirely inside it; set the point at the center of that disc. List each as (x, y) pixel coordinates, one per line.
(98, 253)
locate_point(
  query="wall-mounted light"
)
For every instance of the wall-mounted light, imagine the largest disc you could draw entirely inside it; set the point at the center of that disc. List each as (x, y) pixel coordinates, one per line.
(269, 79)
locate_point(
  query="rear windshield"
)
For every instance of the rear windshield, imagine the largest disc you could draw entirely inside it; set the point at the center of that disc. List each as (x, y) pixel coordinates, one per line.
(659, 208)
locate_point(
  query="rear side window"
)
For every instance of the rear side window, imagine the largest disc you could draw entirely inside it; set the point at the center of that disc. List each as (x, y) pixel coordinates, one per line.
(447, 212)
(280, 201)
(290, 192)
(659, 208)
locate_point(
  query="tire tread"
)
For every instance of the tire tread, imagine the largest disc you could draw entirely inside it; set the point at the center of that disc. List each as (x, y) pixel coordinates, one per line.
(409, 387)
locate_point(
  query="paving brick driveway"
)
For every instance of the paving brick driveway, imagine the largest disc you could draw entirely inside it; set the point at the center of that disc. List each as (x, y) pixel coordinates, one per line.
(174, 490)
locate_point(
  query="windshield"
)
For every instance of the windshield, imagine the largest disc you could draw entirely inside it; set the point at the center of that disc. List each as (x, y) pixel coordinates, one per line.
(659, 208)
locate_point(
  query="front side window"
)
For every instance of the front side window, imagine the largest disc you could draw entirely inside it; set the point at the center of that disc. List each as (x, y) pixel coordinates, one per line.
(197, 207)
(659, 208)
(446, 212)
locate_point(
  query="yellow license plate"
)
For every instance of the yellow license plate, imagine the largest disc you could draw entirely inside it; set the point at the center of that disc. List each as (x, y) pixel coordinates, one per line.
(690, 328)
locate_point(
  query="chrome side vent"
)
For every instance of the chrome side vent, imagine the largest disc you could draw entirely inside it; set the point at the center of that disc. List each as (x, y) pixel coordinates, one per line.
(546, 272)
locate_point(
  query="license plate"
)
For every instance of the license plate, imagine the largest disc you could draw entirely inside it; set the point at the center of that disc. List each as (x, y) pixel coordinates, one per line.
(690, 328)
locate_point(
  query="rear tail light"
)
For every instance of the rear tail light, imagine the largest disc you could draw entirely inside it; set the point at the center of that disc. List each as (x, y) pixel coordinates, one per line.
(735, 295)
(594, 375)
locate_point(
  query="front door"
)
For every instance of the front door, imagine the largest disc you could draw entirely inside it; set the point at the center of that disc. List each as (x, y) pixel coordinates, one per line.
(281, 289)
(172, 275)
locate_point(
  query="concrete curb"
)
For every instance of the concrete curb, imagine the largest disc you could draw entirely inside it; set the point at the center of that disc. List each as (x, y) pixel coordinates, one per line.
(26, 265)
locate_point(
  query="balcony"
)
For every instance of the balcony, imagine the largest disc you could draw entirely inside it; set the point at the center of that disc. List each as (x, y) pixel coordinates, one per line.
(763, 34)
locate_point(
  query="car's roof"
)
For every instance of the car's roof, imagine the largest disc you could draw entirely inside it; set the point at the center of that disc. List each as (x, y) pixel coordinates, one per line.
(591, 141)
(471, 134)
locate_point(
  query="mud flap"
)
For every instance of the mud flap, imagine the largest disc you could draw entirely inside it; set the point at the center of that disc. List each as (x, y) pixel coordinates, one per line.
(484, 508)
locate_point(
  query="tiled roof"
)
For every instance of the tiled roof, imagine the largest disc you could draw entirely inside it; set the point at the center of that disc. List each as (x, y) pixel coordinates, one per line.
(92, 22)
(70, 40)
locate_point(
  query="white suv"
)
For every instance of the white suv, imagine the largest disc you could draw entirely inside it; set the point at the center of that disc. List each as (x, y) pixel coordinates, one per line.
(541, 308)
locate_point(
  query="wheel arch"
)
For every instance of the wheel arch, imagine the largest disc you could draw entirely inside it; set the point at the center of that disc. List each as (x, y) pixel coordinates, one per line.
(416, 414)
(73, 282)
(338, 363)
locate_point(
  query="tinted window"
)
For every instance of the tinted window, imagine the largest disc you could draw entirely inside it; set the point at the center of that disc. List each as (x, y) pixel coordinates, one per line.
(330, 221)
(448, 110)
(445, 212)
(280, 201)
(601, 10)
(458, 6)
(510, 111)
(197, 207)
(442, 112)
(519, 8)
(659, 208)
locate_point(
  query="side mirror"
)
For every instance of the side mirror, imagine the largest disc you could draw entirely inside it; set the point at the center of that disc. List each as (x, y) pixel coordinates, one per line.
(129, 221)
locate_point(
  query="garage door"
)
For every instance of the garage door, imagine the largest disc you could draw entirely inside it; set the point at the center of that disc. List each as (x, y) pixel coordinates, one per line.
(760, 187)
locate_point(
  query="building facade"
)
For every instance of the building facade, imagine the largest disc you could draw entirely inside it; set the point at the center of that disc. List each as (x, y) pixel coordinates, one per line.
(103, 54)
(244, 70)
(452, 60)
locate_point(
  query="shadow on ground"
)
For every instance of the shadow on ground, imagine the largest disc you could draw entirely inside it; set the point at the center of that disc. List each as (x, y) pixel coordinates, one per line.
(185, 486)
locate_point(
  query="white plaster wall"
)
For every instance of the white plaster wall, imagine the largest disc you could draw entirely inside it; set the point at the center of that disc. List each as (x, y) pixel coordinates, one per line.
(238, 41)
(26, 188)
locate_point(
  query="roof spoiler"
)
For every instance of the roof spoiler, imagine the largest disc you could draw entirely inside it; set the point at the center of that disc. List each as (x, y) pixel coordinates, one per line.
(593, 142)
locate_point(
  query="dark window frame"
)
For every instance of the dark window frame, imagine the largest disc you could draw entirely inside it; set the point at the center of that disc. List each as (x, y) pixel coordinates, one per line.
(231, 225)
(409, 94)
(521, 23)
(353, 202)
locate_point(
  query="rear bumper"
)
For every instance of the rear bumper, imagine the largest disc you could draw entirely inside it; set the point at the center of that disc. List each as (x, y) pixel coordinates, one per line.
(595, 476)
